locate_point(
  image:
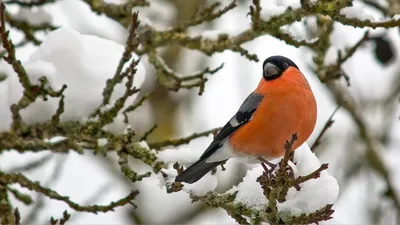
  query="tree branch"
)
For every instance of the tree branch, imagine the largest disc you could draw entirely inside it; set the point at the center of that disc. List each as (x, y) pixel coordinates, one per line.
(28, 4)
(121, 13)
(18, 178)
(327, 124)
(181, 141)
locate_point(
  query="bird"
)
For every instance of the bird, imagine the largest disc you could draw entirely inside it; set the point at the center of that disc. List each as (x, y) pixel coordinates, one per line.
(282, 104)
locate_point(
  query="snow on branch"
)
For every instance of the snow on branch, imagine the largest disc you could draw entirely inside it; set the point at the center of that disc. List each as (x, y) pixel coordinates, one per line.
(298, 191)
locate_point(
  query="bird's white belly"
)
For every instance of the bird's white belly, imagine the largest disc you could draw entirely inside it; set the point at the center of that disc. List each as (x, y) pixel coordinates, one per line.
(226, 151)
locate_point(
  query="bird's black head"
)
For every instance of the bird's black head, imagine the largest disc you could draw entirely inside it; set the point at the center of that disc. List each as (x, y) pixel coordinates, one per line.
(274, 66)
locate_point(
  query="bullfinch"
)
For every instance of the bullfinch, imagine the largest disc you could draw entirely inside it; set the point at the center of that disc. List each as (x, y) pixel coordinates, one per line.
(281, 105)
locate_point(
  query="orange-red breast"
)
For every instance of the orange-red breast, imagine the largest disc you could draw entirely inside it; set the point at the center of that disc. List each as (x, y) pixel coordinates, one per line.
(281, 105)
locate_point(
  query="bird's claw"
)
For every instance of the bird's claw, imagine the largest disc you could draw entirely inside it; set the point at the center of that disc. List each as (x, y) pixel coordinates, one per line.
(264, 164)
(270, 170)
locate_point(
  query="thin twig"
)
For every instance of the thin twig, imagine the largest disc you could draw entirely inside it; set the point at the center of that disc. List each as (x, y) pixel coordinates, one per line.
(28, 4)
(180, 141)
(254, 12)
(147, 133)
(66, 216)
(173, 81)
(131, 44)
(313, 175)
(136, 105)
(31, 165)
(327, 124)
(288, 151)
(205, 15)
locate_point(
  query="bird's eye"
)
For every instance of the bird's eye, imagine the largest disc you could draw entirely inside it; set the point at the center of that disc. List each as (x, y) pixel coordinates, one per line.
(271, 71)
(285, 65)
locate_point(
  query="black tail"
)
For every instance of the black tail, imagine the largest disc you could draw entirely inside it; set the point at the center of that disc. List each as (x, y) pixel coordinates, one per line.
(196, 171)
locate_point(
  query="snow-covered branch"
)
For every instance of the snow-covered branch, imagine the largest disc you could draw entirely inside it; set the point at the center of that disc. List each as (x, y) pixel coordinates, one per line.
(297, 191)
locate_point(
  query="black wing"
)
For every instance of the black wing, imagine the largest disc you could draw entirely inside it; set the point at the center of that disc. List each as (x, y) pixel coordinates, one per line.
(243, 116)
(201, 167)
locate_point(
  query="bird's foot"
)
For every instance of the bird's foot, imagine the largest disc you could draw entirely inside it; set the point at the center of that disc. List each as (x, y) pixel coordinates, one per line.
(265, 162)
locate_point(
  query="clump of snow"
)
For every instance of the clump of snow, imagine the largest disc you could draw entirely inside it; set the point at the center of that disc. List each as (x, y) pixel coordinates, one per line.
(83, 63)
(314, 194)
(55, 139)
(331, 55)
(184, 155)
(64, 15)
(356, 11)
(273, 8)
(272, 11)
(249, 192)
(205, 184)
(35, 16)
(101, 142)
(144, 144)
(159, 15)
(167, 177)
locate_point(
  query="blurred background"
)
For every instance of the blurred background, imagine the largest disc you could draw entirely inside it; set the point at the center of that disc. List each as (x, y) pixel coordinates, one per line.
(374, 72)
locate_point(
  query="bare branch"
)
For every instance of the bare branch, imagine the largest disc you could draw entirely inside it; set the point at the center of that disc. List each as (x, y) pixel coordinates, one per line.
(255, 11)
(205, 15)
(180, 141)
(288, 151)
(327, 124)
(66, 216)
(7, 215)
(18, 178)
(335, 71)
(55, 119)
(29, 166)
(131, 45)
(147, 133)
(119, 12)
(39, 205)
(26, 199)
(11, 58)
(28, 29)
(28, 4)
(17, 216)
(313, 175)
(136, 105)
(173, 81)
(343, 98)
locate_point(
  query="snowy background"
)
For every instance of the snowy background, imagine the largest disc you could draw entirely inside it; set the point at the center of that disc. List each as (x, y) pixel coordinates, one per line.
(85, 51)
